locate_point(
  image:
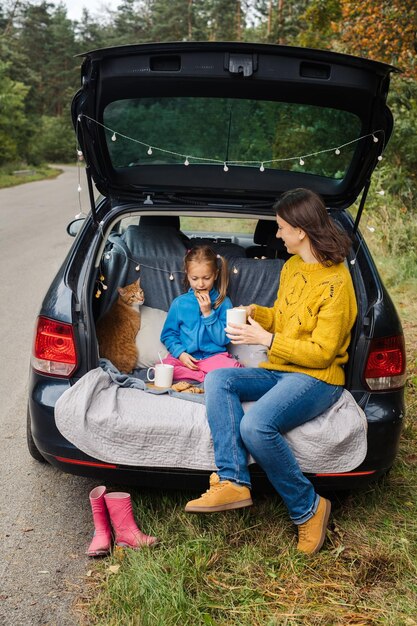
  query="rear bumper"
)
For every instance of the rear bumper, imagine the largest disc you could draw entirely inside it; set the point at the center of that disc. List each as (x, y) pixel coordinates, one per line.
(384, 412)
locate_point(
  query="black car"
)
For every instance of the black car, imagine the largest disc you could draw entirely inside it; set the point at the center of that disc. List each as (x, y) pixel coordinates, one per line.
(193, 142)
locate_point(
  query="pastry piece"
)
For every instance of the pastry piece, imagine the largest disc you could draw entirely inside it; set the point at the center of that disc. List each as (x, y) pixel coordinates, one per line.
(193, 389)
(182, 385)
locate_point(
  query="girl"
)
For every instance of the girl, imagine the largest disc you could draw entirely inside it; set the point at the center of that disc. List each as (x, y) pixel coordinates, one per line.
(194, 330)
(307, 333)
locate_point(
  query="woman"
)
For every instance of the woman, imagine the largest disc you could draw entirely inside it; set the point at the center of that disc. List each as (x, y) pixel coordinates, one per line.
(307, 333)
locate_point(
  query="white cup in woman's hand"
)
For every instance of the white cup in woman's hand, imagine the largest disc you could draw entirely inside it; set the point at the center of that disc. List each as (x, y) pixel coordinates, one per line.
(236, 316)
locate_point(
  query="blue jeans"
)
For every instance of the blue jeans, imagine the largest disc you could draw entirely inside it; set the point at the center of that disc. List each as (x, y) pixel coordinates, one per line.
(283, 401)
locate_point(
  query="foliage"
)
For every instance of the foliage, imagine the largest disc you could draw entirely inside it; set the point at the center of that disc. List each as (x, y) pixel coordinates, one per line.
(383, 30)
(53, 141)
(13, 123)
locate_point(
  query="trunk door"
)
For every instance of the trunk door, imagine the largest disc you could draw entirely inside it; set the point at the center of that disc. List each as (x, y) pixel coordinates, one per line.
(231, 121)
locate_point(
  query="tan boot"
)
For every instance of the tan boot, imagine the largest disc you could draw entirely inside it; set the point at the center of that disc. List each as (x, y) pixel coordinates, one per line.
(223, 495)
(311, 534)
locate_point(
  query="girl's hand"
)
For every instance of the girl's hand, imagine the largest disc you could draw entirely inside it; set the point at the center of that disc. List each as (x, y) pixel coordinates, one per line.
(251, 333)
(188, 360)
(203, 299)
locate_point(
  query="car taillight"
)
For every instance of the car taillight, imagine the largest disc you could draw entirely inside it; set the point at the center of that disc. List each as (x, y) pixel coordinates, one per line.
(385, 365)
(54, 348)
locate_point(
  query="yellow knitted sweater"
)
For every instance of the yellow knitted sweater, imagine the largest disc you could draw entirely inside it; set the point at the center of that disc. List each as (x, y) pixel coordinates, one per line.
(312, 319)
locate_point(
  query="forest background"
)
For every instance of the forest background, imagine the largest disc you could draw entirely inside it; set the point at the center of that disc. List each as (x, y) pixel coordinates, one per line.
(39, 73)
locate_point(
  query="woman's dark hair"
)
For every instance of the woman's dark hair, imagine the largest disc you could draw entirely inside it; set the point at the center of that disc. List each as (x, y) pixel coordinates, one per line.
(304, 209)
(205, 254)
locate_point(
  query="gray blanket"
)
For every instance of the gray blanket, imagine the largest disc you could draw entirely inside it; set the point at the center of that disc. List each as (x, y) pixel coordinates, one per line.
(122, 424)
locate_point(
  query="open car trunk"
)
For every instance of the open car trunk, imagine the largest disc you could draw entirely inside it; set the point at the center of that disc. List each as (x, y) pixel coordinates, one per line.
(121, 419)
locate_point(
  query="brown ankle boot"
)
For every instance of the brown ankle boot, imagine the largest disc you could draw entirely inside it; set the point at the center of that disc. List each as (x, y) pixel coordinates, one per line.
(223, 495)
(311, 534)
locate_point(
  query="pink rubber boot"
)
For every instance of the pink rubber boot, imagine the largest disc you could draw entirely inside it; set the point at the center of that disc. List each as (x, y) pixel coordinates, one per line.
(127, 534)
(101, 542)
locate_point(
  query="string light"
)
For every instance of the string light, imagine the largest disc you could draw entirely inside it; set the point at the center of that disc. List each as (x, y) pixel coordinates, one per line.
(138, 266)
(80, 157)
(260, 164)
(353, 261)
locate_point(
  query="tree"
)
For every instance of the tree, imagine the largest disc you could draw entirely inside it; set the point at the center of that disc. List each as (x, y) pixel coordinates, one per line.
(385, 30)
(13, 124)
(47, 39)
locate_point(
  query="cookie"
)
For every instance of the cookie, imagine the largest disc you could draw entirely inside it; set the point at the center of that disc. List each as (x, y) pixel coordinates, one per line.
(193, 389)
(182, 385)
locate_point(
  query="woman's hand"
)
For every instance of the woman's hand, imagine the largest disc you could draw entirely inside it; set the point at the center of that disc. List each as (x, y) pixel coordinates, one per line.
(203, 299)
(188, 360)
(249, 308)
(251, 333)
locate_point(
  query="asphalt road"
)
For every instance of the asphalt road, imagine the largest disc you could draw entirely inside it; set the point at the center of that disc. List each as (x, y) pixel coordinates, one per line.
(45, 517)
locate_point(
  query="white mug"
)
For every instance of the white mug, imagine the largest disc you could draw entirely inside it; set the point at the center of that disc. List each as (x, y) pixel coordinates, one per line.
(163, 375)
(236, 316)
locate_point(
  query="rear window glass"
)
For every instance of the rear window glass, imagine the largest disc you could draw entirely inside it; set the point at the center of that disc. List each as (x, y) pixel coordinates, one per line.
(249, 133)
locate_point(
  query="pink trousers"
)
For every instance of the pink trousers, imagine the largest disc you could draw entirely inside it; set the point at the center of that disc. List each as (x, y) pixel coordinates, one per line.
(224, 359)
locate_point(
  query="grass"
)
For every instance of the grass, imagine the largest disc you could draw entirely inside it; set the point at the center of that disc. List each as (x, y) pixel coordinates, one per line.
(9, 177)
(242, 569)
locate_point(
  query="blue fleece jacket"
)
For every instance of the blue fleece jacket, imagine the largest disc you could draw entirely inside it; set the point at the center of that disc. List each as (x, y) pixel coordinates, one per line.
(186, 330)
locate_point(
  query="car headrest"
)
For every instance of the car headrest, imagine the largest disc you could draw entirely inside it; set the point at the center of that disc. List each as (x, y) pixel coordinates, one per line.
(265, 232)
(160, 220)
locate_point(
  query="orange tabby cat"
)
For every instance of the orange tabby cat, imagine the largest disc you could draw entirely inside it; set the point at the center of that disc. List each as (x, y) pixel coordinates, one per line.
(117, 329)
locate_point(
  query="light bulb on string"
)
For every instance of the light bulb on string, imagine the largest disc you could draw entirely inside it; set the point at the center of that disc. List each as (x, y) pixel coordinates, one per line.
(235, 270)
(380, 158)
(171, 277)
(261, 166)
(79, 188)
(137, 268)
